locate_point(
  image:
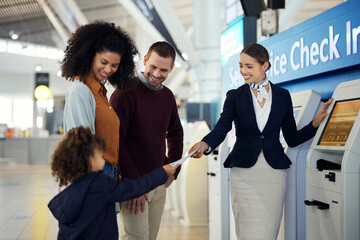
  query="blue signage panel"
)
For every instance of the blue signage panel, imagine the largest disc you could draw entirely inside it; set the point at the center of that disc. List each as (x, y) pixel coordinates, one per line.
(232, 42)
(324, 43)
(231, 74)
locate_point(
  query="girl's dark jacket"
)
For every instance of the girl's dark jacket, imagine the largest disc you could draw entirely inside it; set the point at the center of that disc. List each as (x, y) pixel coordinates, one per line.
(86, 208)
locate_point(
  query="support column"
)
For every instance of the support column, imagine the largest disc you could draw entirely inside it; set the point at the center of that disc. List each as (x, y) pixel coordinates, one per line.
(205, 76)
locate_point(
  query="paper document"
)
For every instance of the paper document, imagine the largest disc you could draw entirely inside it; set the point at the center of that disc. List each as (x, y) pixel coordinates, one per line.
(182, 160)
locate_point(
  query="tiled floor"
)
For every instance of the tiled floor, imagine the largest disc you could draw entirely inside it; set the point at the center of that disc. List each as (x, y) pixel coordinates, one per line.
(24, 194)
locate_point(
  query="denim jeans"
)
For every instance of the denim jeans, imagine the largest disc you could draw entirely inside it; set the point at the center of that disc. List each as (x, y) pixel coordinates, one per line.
(111, 172)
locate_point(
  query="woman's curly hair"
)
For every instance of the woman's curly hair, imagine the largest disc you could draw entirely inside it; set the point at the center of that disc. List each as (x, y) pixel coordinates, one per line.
(98, 37)
(70, 160)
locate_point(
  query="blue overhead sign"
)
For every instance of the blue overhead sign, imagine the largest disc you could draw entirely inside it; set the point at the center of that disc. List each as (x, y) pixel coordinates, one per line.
(324, 43)
(232, 42)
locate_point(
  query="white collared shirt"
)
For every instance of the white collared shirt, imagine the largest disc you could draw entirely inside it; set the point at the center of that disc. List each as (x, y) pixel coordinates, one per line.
(262, 114)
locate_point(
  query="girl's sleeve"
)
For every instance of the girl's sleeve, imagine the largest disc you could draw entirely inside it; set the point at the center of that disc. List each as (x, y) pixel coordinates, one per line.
(127, 189)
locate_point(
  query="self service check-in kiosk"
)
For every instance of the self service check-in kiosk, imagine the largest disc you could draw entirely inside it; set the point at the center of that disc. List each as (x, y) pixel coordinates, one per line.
(221, 221)
(188, 198)
(173, 193)
(192, 185)
(305, 106)
(173, 197)
(333, 167)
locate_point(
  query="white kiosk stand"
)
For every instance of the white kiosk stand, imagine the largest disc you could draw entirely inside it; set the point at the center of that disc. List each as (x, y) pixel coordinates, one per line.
(333, 167)
(220, 213)
(173, 198)
(305, 105)
(192, 186)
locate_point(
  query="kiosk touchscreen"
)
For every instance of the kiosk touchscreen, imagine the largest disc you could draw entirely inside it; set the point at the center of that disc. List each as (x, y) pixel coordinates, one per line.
(333, 167)
(340, 122)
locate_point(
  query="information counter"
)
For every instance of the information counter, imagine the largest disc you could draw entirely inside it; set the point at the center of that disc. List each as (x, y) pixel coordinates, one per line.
(33, 150)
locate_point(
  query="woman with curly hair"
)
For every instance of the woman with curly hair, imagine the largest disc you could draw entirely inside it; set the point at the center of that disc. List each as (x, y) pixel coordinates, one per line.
(96, 53)
(85, 209)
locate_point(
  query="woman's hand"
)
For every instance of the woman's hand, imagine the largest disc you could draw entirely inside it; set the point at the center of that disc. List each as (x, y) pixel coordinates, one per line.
(321, 113)
(203, 147)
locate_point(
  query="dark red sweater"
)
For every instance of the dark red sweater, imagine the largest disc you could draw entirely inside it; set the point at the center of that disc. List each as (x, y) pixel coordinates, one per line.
(148, 121)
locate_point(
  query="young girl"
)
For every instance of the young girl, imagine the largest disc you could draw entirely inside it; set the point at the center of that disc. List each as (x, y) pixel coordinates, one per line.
(85, 209)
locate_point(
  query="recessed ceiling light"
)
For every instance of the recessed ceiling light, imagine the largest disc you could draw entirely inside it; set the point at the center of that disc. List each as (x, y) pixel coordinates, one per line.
(185, 56)
(14, 35)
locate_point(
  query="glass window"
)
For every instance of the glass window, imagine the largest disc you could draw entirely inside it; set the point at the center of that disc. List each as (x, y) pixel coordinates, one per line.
(23, 113)
(6, 110)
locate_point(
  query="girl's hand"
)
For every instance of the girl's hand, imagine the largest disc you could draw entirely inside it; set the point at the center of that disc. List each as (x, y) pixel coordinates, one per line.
(170, 170)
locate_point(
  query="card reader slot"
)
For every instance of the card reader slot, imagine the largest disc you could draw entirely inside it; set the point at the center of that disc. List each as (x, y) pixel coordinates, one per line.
(323, 164)
(320, 205)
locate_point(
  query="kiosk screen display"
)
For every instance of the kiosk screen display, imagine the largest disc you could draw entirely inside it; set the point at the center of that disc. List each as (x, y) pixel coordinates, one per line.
(340, 122)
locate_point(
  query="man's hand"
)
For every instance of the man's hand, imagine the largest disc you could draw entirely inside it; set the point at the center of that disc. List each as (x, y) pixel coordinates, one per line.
(171, 178)
(137, 204)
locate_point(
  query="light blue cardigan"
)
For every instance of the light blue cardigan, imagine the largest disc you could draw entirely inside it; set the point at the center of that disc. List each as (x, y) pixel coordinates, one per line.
(79, 107)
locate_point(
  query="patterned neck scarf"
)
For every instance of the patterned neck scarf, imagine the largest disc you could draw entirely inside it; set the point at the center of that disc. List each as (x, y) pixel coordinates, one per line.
(261, 90)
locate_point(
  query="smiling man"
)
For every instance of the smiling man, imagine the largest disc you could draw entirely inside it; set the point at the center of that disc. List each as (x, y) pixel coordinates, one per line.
(149, 123)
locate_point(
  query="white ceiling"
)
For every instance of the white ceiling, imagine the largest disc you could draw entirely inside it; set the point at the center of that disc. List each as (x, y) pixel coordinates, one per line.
(51, 22)
(47, 22)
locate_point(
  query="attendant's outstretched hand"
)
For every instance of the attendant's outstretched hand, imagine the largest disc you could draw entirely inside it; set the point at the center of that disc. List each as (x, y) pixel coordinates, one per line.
(203, 146)
(321, 113)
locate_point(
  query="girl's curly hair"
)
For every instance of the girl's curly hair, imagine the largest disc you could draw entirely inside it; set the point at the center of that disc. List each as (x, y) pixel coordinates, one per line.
(70, 160)
(98, 37)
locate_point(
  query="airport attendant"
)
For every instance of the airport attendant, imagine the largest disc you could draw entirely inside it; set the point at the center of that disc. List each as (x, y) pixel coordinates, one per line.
(259, 109)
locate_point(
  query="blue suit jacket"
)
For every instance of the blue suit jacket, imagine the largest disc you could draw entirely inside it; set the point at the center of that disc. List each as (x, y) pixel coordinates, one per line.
(238, 107)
